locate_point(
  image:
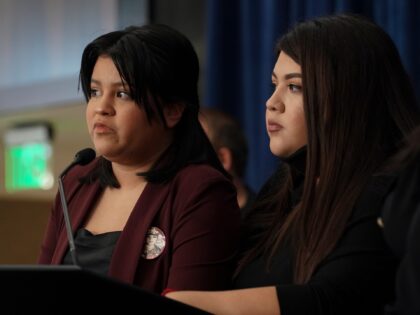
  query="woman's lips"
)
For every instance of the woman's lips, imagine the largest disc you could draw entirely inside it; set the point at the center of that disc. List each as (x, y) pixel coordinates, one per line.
(273, 127)
(102, 128)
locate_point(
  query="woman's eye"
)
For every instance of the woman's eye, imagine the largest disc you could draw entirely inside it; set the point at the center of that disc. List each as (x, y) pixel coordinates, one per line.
(93, 92)
(294, 88)
(124, 95)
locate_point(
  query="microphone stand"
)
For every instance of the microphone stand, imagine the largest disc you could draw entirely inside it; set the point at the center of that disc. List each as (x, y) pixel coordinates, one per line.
(67, 222)
(82, 157)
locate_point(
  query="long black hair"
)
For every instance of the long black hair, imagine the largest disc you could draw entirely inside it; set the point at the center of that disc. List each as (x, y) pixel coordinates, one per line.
(359, 105)
(160, 66)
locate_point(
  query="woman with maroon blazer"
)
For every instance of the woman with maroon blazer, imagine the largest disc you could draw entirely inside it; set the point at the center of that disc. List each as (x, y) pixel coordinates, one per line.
(155, 208)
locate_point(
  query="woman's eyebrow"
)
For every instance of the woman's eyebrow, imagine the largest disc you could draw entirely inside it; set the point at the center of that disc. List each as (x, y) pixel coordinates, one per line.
(292, 75)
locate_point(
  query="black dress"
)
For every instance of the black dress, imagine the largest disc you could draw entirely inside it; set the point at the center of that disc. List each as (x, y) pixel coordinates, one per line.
(94, 251)
(356, 278)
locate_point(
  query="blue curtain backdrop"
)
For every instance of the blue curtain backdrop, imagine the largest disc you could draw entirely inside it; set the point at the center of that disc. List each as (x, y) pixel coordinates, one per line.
(240, 55)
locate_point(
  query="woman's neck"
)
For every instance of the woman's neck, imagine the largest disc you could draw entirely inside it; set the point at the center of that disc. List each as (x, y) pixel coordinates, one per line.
(127, 175)
(126, 171)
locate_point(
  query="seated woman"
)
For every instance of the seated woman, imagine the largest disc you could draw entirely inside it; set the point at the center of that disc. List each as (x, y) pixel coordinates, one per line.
(342, 103)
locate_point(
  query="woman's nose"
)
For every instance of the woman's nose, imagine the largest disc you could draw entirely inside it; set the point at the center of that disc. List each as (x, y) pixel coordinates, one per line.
(275, 103)
(104, 107)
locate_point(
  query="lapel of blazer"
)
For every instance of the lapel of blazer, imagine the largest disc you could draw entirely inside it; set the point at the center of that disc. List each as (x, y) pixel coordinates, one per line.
(130, 245)
(79, 202)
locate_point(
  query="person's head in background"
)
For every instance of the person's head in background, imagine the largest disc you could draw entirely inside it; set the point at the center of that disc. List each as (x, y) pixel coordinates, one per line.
(156, 68)
(341, 89)
(231, 146)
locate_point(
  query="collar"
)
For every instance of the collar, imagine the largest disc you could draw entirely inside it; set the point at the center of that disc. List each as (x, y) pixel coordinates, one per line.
(297, 162)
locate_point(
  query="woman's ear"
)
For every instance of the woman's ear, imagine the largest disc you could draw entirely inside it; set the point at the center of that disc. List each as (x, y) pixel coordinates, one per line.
(173, 113)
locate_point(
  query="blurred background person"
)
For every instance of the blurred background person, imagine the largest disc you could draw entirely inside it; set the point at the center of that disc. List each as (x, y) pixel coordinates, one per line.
(231, 146)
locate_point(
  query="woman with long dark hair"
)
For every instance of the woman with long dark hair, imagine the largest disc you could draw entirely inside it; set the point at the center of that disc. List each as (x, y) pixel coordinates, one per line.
(341, 105)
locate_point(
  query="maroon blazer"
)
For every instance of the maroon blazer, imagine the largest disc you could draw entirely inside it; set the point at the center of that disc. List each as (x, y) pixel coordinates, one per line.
(196, 211)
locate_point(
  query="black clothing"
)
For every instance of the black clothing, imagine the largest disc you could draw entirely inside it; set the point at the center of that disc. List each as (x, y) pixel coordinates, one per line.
(250, 232)
(401, 222)
(93, 252)
(252, 276)
(356, 278)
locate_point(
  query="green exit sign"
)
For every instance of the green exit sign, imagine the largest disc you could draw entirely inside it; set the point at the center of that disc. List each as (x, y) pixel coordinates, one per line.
(28, 156)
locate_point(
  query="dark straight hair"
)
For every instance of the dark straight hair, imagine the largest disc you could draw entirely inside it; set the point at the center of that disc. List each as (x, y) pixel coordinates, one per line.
(160, 66)
(359, 105)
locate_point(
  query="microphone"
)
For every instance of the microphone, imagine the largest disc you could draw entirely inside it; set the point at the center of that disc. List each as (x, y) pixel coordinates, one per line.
(82, 157)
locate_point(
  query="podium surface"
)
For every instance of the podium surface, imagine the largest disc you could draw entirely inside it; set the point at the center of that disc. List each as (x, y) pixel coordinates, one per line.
(53, 289)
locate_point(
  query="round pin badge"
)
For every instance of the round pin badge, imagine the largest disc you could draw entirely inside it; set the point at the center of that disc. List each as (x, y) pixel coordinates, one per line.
(155, 243)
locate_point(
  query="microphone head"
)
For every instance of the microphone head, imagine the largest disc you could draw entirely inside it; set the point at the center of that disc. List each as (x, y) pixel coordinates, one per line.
(84, 156)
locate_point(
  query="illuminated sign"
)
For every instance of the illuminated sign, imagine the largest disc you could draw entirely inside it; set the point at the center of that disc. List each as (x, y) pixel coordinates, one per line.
(28, 157)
